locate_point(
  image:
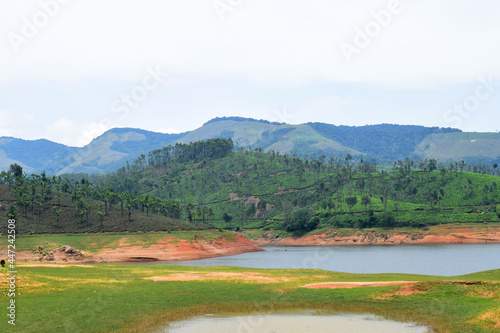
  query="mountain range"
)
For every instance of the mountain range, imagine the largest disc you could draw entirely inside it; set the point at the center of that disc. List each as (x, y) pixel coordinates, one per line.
(381, 143)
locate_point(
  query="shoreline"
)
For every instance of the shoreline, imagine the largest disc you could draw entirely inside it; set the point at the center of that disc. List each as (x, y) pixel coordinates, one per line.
(163, 250)
(374, 238)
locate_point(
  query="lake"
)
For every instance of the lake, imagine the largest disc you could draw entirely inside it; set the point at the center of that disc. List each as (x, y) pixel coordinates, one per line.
(293, 323)
(443, 260)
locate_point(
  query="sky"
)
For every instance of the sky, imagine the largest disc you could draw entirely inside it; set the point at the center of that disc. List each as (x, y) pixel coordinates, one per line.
(72, 69)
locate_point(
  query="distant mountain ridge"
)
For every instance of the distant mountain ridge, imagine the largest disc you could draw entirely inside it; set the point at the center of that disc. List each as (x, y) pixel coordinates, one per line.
(381, 143)
(33, 155)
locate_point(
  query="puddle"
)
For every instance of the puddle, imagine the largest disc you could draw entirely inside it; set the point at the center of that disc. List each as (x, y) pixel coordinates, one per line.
(293, 323)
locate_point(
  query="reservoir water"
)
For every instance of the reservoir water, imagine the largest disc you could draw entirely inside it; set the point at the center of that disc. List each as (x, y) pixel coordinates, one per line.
(294, 323)
(443, 260)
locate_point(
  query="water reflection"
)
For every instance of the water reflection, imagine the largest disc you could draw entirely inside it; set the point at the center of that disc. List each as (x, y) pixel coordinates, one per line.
(303, 322)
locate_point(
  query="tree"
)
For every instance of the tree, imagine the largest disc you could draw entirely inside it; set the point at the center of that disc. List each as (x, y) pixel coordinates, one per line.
(12, 212)
(57, 212)
(432, 165)
(299, 220)
(227, 218)
(189, 207)
(351, 202)
(16, 170)
(101, 217)
(369, 222)
(251, 209)
(365, 201)
(312, 223)
(387, 220)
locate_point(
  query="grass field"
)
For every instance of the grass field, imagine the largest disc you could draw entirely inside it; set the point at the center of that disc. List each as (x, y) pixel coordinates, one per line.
(139, 298)
(93, 243)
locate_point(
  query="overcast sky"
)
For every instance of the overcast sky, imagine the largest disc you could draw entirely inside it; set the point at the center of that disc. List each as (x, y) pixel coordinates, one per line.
(69, 70)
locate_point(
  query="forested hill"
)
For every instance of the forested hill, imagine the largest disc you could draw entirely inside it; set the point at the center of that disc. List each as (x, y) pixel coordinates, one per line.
(213, 185)
(386, 141)
(33, 155)
(209, 183)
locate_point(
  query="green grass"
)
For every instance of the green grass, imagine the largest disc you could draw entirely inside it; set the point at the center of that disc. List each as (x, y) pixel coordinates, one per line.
(107, 297)
(93, 243)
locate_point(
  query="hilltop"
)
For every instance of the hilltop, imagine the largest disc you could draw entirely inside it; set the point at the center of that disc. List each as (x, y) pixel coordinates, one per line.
(381, 143)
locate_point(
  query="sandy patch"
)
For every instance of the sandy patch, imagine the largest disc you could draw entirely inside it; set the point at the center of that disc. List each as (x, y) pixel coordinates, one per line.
(335, 285)
(490, 319)
(406, 290)
(199, 276)
(77, 280)
(21, 282)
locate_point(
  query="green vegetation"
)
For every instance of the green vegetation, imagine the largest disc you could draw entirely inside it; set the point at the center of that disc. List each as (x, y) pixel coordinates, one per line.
(94, 243)
(263, 190)
(54, 205)
(208, 184)
(385, 141)
(86, 298)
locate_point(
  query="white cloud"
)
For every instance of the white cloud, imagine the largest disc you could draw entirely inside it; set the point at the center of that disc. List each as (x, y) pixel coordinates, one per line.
(170, 130)
(72, 134)
(90, 132)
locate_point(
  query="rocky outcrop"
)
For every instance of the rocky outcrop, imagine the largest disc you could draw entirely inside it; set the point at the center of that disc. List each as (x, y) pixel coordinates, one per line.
(64, 254)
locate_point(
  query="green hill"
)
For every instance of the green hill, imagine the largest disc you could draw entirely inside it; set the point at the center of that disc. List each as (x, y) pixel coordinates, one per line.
(472, 147)
(113, 149)
(254, 189)
(209, 183)
(301, 140)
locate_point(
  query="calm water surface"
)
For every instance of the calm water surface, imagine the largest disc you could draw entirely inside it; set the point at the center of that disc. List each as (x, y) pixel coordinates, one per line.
(293, 323)
(444, 260)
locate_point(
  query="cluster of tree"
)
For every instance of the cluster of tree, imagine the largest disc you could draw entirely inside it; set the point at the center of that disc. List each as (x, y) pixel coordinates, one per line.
(284, 184)
(39, 195)
(182, 153)
(209, 183)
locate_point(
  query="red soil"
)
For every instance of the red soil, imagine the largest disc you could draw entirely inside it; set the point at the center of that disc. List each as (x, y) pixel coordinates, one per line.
(181, 250)
(348, 285)
(373, 238)
(164, 249)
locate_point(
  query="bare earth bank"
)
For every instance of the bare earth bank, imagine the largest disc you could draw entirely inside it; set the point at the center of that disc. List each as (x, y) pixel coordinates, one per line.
(164, 249)
(374, 238)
